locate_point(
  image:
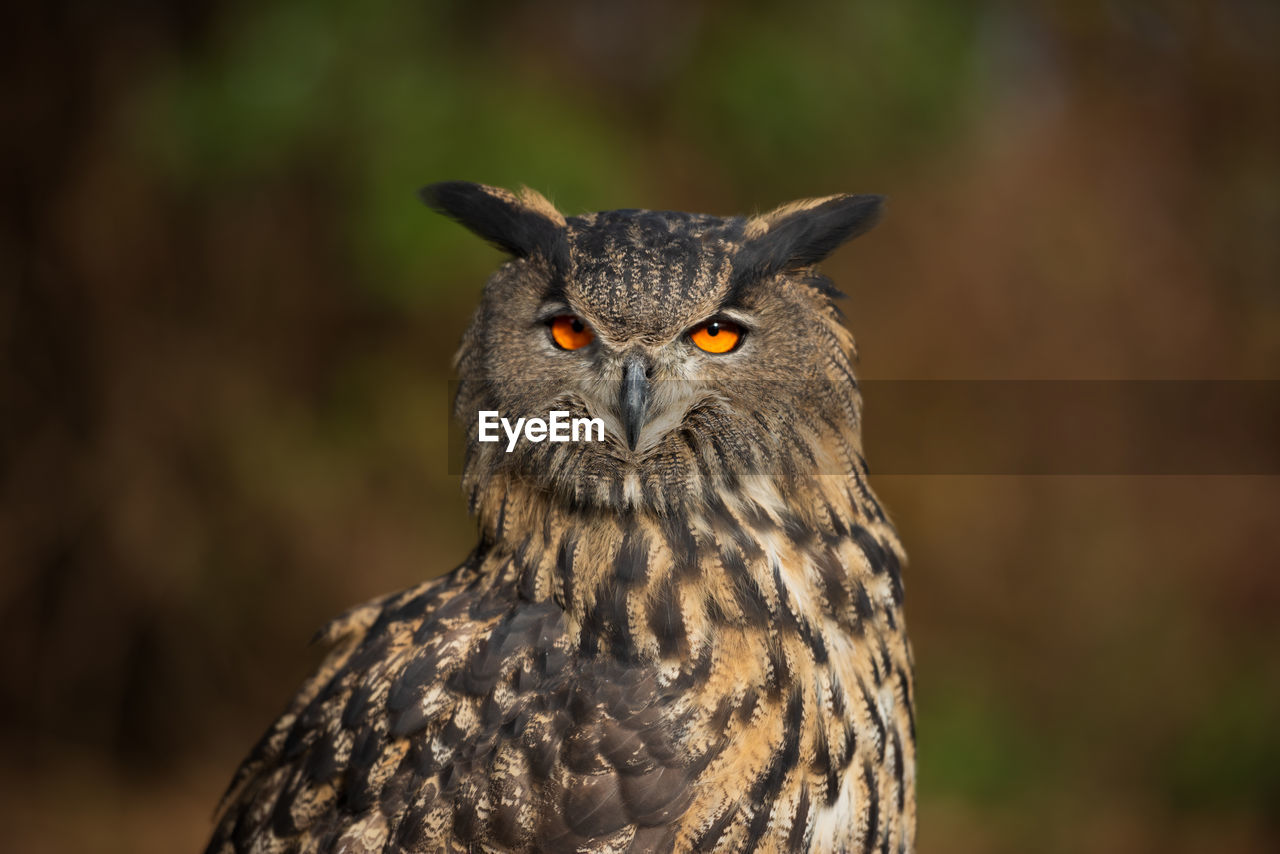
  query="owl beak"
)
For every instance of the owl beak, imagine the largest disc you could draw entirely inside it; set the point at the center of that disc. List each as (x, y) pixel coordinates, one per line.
(634, 398)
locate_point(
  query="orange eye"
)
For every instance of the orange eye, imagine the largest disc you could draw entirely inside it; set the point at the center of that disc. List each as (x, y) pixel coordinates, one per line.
(716, 336)
(571, 332)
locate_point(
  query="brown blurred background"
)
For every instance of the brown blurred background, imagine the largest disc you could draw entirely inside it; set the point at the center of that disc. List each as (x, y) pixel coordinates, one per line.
(225, 330)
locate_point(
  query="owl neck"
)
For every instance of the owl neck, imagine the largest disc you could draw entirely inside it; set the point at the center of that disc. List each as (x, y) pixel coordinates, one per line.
(799, 556)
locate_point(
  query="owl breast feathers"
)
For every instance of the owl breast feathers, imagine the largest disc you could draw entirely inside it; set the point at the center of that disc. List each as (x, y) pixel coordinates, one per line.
(685, 636)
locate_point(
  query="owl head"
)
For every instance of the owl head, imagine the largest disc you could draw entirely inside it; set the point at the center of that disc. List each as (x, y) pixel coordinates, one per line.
(709, 348)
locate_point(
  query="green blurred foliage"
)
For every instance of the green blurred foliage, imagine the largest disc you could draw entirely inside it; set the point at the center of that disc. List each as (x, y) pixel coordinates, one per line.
(1229, 756)
(294, 84)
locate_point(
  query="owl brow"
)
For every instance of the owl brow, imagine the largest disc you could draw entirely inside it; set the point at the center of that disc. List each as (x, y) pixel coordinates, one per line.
(741, 284)
(556, 284)
(731, 308)
(743, 278)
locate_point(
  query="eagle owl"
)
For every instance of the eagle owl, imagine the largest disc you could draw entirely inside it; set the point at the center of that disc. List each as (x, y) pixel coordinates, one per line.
(684, 635)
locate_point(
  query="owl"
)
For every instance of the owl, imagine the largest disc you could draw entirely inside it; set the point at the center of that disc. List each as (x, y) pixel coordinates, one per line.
(680, 631)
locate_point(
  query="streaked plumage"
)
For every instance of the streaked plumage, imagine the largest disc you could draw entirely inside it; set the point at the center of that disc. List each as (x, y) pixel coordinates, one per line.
(695, 643)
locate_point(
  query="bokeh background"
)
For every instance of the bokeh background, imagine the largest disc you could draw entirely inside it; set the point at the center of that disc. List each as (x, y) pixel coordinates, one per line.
(226, 324)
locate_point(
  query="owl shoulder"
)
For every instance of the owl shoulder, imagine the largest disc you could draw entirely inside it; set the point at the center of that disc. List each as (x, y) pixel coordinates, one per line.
(453, 715)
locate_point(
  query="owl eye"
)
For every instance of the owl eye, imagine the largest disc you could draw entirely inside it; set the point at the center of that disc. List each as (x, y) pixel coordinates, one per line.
(716, 336)
(570, 332)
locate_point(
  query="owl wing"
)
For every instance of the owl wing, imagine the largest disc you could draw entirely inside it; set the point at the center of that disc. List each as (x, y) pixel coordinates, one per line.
(448, 718)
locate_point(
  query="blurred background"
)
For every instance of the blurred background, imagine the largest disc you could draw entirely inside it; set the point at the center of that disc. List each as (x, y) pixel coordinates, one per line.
(226, 325)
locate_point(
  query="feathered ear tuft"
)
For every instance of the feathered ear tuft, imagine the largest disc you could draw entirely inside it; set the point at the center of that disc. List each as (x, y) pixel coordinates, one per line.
(802, 233)
(523, 225)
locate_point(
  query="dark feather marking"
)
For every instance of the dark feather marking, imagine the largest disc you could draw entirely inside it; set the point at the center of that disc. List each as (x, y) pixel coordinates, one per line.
(298, 740)
(423, 759)
(880, 558)
(466, 819)
(898, 769)
(419, 673)
(412, 833)
(905, 689)
(747, 707)
(764, 792)
(799, 821)
(356, 705)
(873, 809)
(718, 513)
(564, 566)
(750, 598)
(527, 584)
(873, 713)
(706, 841)
(747, 544)
(797, 622)
(725, 458)
(322, 762)
(681, 541)
(733, 561)
(862, 608)
(393, 796)
(833, 578)
(715, 611)
(360, 791)
(508, 800)
(550, 657)
(833, 518)
(796, 530)
(757, 517)
(631, 563)
(657, 796)
(541, 748)
(814, 641)
(507, 224)
(610, 619)
(802, 239)
(886, 663)
(690, 439)
(593, 807)
(580, 750)
(453, 609)
(281, 820)
(500, 526)
(779, 675)
(652, 840)
(666, 620)
(850, 744)
(824, 766)
(837, 699)
(624, 748)
(868, 498)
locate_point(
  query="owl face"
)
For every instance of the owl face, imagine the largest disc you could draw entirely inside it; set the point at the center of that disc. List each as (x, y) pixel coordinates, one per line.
(707, 346)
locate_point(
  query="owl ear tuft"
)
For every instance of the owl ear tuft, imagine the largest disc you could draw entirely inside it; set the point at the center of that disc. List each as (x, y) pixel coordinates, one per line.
(801, 234)
(522, 225)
